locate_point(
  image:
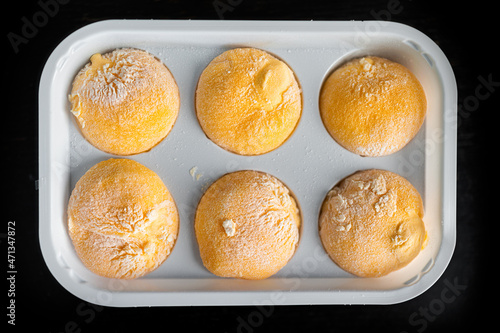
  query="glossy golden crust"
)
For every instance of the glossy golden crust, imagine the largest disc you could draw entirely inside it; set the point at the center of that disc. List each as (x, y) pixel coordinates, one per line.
(247, 101)
(247, 225)
(371, 223)
(372, 106)
(122, 220)
(125, 101)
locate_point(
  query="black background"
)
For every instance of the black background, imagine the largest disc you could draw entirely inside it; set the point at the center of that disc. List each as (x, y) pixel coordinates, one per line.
(466, 32)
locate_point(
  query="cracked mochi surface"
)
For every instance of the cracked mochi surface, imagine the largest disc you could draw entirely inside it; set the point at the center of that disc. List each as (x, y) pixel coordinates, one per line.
(122, 220)
(247, 225)
(371, 223)
(125, 101)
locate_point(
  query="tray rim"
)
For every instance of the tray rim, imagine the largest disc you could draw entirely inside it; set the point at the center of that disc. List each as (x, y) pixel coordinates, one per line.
(114, 297)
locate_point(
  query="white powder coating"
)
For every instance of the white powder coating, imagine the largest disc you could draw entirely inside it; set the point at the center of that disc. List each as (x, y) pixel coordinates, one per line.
(247, 225)
(371, 223)
(374, 188)
(117, 76)
(125, 101)
(229, 227)
(372, 106)
(247, 101)
(121, 219)
(112, 80)
(386, 204)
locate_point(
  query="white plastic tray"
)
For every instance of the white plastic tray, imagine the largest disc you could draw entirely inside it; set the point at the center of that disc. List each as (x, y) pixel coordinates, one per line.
(310, 162)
